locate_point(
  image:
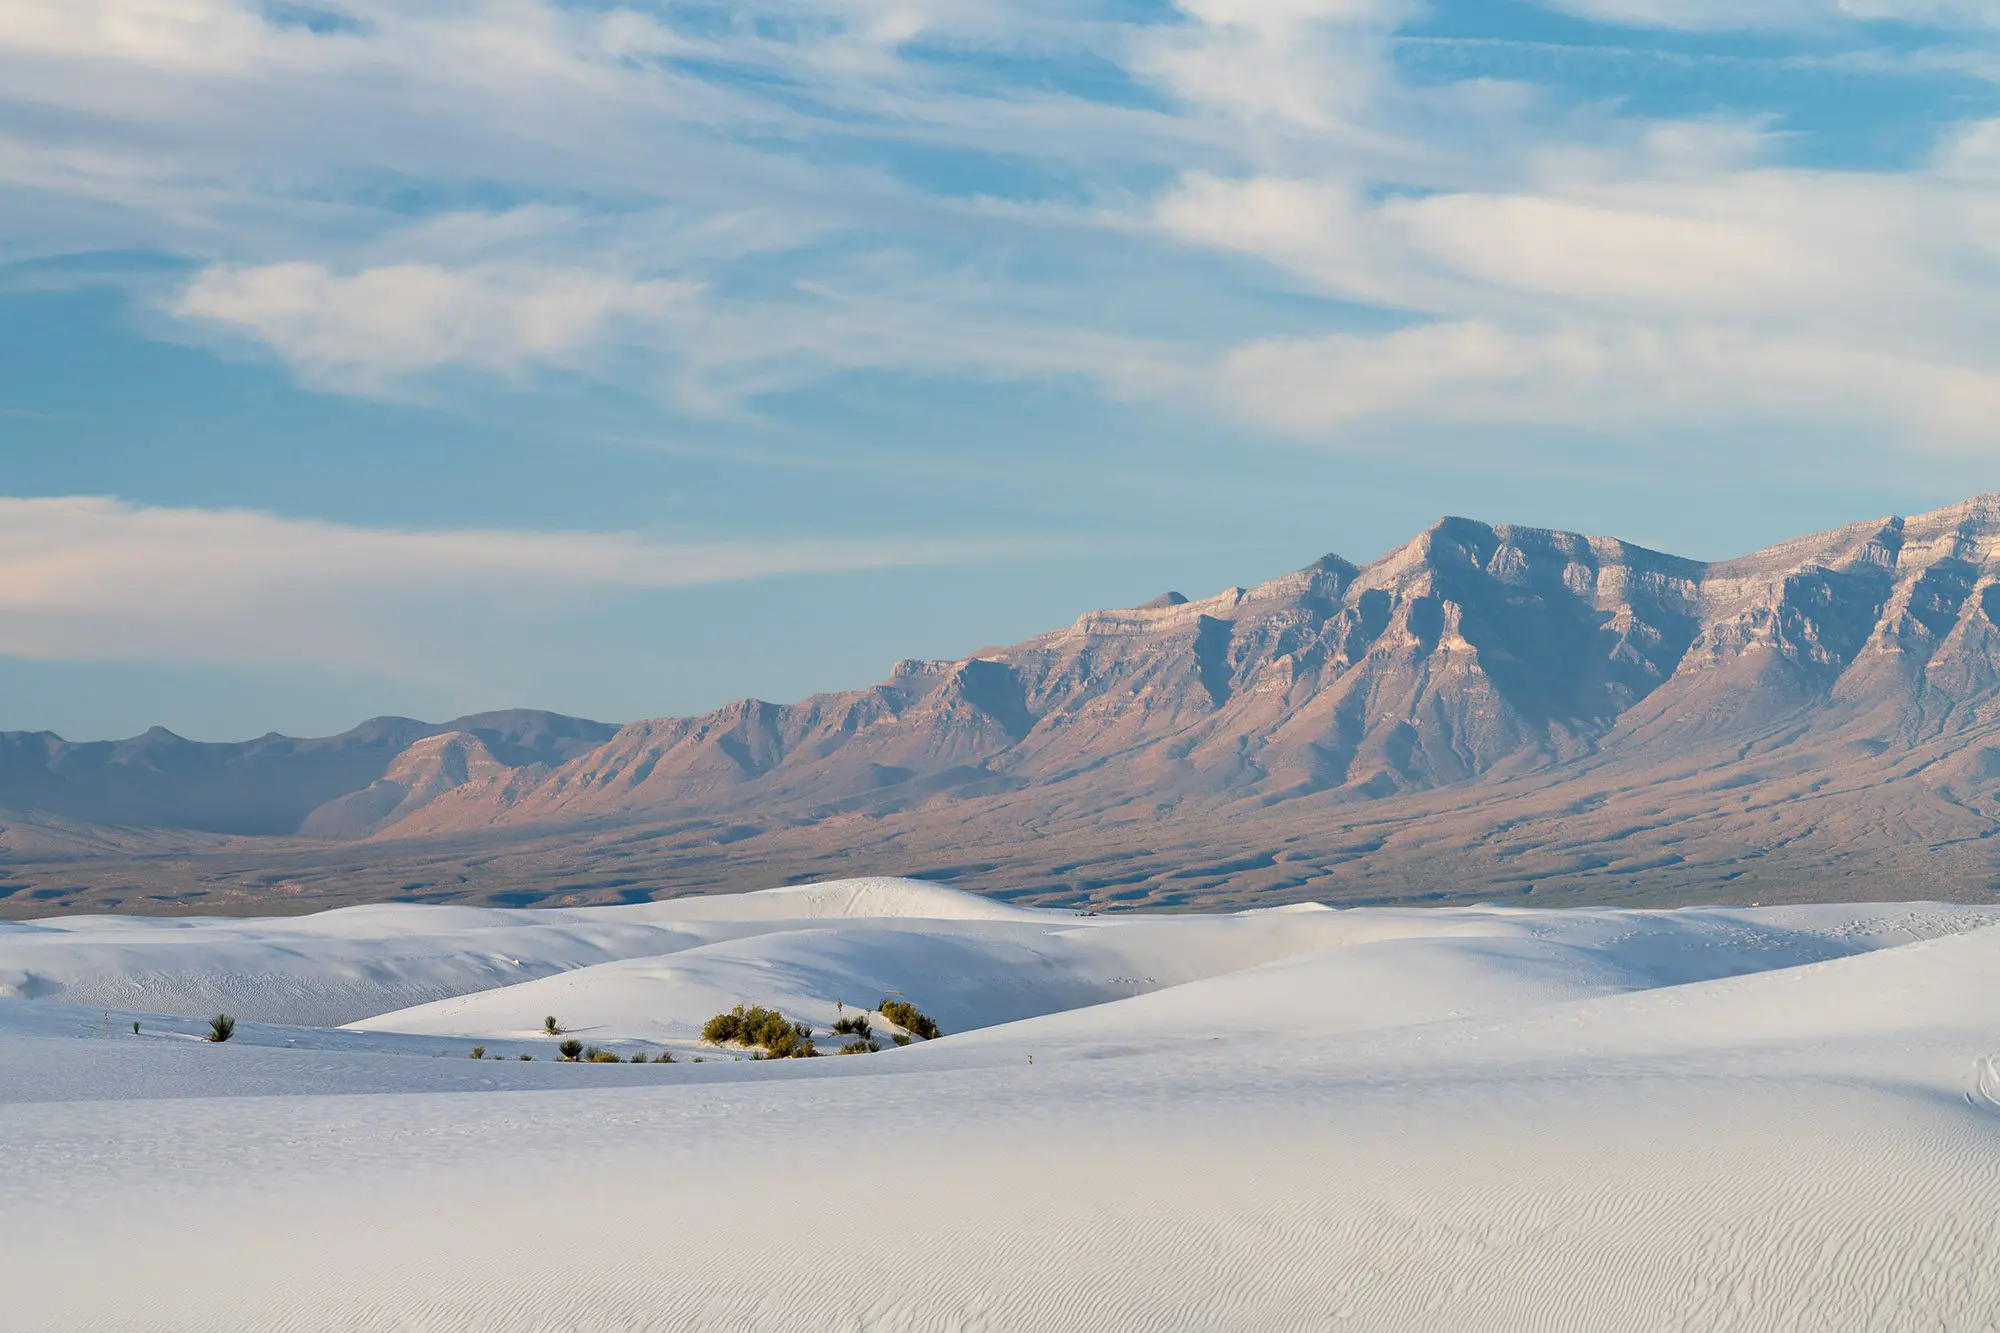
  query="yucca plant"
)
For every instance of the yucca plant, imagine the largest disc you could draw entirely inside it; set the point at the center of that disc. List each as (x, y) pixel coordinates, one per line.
(221, 1028)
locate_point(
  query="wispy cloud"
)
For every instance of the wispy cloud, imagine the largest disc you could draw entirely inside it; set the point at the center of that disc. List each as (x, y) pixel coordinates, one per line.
(370, 329)
(1682, 280)
(92, 578)
(733, 203)
(1617, 378)
(1733, 15)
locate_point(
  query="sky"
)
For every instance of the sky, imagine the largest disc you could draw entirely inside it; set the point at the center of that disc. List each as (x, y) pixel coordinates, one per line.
(625, 359)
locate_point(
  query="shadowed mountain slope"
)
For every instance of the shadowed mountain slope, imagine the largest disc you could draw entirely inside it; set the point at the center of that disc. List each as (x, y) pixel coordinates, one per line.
(1484, 710)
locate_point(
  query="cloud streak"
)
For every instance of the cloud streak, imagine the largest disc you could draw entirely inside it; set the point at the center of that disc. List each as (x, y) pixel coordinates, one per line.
(97, 579)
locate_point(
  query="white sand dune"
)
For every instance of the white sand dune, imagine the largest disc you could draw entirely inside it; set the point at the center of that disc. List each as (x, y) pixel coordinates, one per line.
(1461, 1119)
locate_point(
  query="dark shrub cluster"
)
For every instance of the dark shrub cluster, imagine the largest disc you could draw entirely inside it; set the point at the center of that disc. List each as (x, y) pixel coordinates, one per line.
(911, 1019)
(780, 1037)
(853, 1027)
(221, 1028)
(859, 1046)
(571, 1049)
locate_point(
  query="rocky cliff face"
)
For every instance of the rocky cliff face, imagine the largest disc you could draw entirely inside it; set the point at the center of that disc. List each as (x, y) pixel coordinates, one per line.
(1471, 652)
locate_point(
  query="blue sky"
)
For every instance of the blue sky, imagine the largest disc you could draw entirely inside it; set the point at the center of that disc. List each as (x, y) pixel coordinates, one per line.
(373, 357)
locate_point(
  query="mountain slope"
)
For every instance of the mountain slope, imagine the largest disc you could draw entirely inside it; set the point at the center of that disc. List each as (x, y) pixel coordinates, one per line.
(267, 786)
(1471, 652)
(1484, 710)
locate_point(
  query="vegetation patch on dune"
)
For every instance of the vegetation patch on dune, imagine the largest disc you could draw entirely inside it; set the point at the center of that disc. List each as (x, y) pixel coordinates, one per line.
(911, 1019)
(780, 1038)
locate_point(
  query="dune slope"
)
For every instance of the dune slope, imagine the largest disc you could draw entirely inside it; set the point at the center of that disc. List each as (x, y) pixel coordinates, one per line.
(1476, 1118)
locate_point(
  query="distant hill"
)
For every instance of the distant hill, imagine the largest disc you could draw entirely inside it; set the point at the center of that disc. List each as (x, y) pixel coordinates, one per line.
(272, 785)
(1483, 712)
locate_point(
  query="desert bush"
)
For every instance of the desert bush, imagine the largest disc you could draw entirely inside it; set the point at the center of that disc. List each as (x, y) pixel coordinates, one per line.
(859, 1047)
(664, 1058)
(551, 1027)
(788, 1041)
(221, 1028)
(527, 1057)
(571, 1049)
(135, 1029)
(853, 1027)
(781, 1038)
(724, 1027)
(478, 1052)
(598, 1057)
(909, 1018)
(900, 1038)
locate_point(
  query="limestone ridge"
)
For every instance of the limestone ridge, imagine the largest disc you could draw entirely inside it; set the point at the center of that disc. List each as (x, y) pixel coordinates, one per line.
(1472, 651)
(1472, 666)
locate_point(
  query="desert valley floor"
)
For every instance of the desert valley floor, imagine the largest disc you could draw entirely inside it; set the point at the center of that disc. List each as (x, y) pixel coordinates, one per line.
(1463, 1118)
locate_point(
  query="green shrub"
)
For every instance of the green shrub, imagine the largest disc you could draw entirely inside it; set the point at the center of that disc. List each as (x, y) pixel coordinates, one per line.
(911, 1019)
(859, 1047)
(479, 1052)
(571, 1049)
(853, 1027)
(664, 1058)
(724, 1027)
(527, 1057)
(135, 1029)
(597, 1057)
(221, 1028)
(551, 1027)
(900, 1038)
(781, 1038)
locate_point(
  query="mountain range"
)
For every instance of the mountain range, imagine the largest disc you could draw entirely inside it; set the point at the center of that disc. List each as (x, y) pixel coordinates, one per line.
(1486, 712)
